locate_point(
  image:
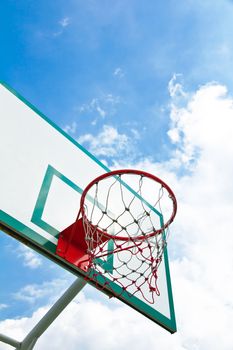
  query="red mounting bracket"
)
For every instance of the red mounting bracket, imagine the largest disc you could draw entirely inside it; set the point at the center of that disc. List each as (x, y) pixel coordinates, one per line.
(72, 245)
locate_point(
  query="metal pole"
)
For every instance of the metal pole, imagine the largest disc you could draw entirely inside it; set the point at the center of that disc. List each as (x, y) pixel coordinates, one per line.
(9, 340)
(52, 314)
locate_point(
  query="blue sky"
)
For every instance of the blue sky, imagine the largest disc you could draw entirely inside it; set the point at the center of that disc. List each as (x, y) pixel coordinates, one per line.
(62, 55)
(143, 84)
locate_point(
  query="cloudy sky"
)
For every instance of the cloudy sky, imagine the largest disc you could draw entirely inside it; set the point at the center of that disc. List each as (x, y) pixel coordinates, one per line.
(146, 85)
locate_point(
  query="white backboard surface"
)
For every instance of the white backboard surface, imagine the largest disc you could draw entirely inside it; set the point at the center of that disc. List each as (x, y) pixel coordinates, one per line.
(43, 173)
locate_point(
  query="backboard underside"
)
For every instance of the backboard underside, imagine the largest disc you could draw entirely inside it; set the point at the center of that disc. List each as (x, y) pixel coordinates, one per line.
(43, 173)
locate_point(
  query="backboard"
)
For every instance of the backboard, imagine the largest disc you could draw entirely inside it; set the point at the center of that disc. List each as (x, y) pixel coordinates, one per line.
(43, 174)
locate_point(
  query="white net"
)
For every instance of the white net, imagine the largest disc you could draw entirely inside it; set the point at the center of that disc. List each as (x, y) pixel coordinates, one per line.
(126, 218)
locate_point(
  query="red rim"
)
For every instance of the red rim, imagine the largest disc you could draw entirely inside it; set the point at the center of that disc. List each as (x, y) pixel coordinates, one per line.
(137, 172)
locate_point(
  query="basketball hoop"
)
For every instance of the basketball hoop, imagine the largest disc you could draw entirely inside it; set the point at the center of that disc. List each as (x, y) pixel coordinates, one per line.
(125, 215)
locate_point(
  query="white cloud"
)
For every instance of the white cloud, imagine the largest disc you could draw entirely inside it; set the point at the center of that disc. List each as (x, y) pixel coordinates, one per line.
(102, 106)
(64, 22)
(118, 72)
(135, 134)
(175, 87)
(101, 112)
(109, 142)
(31, 293)
(30, 258)
(203, 125)
(58, 33)
(94, 106)
(3, 306)
(87, 325)
(71, 129)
